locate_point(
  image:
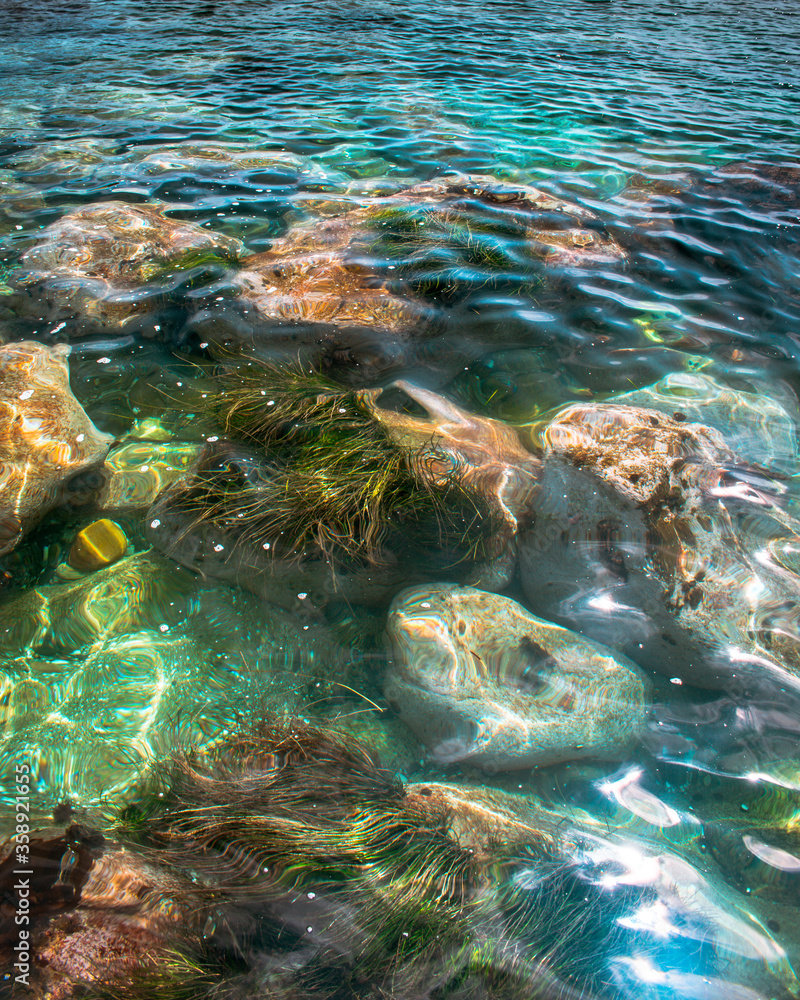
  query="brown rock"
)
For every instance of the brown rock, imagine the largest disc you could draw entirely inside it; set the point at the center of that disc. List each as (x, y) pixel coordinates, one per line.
(45, 435)
(487, 454)
(309, 277)
(92, 263)
(634, 450)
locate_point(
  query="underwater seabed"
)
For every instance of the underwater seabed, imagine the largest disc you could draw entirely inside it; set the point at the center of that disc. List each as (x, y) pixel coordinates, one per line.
(577, 819)
(598, 787)
(399, 502)
(287, 862)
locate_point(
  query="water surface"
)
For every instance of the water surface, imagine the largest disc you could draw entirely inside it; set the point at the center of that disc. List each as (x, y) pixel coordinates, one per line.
(671, 127)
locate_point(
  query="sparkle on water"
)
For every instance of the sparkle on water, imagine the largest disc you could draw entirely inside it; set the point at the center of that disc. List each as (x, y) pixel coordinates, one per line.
(511, 207)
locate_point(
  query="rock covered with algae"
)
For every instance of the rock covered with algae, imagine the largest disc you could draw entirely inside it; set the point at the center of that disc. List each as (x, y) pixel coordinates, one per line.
(332, 489)
(482, 681)
(285, 857)
(45, 435)
(326, 278)
(370, 202)
(556, 231)
(652, 535)
(94, 263)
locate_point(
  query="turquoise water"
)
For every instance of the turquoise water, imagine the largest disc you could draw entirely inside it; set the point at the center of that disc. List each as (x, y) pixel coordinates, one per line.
(660, 245)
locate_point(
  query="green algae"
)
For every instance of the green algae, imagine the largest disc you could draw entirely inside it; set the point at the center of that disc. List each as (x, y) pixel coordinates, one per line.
(334, 481)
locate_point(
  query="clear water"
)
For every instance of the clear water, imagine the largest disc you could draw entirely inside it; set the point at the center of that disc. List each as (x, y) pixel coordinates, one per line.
(674, 129)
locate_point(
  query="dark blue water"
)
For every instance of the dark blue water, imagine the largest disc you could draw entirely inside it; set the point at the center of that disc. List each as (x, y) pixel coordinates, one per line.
(666, 137)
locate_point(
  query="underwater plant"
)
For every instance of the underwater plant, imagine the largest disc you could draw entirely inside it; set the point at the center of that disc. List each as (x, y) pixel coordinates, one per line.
(326, 475)
(299, 844)
(286, 863)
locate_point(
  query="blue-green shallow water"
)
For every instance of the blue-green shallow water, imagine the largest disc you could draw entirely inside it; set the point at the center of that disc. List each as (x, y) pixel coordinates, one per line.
(676, 127)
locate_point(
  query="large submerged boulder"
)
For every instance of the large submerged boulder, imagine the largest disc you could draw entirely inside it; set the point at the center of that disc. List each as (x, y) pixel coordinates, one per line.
(652, 535)
(309, 276)
(482, 681)
(101, 264)
(758, 429)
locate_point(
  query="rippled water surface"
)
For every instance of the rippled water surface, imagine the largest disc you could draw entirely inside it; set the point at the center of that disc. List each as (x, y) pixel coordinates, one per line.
(433, 369)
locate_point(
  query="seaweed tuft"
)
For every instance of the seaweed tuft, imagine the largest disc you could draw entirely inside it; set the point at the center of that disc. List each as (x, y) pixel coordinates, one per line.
(293, 818)
(330, 478)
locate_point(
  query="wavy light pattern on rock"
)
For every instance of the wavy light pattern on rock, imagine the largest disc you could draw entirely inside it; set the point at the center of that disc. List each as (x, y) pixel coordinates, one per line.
(95, 262)
(482, 681)
(757, 428)
(685, 535)
(45, 435)
(486, 453)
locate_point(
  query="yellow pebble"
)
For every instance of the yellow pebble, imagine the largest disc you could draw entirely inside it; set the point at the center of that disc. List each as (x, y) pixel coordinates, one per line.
(99, 544)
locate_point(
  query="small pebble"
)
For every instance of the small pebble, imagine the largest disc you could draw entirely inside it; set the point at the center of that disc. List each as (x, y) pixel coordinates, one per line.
(99, 544)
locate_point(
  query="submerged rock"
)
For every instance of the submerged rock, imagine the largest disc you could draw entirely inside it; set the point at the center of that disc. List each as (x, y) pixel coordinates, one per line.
(45, 435)
(313, 295)
(229, 161)
(370, 198)
(575, 247)
(775, 185)
(486, 454)
(139, 592)
(304, 585)
(94, 263)
(638, 453)
(497, 191)
(308, 277)
(755, 427)
(482, 681)
(653, 536)
(135, 472)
